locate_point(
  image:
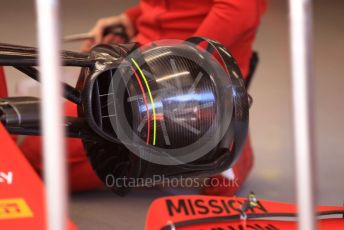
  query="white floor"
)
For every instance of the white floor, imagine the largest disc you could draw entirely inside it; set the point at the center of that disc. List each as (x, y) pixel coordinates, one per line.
(271, 121)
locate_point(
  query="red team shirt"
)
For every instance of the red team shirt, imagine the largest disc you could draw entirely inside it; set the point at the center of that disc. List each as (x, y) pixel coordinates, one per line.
(231, 22)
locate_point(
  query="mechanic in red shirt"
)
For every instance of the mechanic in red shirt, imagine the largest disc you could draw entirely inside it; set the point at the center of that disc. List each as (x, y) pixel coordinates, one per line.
(231, 22)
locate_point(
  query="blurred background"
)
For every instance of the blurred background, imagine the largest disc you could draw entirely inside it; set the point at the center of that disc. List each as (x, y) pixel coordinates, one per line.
(271, 116)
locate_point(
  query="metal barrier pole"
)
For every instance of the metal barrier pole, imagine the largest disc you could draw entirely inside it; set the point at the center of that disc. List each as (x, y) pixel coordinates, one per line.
(52, 113)
(302, 78)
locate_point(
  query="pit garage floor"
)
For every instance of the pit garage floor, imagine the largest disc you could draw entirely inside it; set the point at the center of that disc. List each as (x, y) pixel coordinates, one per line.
(271, 115)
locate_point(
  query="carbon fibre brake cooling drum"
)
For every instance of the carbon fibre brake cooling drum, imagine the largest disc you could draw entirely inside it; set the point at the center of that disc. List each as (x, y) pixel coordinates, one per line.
(174, 107)
(170, 101)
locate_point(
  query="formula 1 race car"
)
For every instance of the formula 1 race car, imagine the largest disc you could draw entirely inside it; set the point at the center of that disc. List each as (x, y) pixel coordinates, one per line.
(171, 108)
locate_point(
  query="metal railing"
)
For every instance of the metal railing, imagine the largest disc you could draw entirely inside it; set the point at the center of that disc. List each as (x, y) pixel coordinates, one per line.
(52, 113)
(302, 79)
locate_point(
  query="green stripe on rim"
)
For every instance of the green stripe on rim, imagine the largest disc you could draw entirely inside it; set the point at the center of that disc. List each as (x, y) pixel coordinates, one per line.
(150, 97)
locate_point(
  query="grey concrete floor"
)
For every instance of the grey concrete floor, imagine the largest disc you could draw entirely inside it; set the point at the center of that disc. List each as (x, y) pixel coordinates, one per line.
(271, 115)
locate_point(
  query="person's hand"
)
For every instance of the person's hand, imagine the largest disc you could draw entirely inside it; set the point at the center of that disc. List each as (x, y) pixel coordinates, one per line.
(98, 30)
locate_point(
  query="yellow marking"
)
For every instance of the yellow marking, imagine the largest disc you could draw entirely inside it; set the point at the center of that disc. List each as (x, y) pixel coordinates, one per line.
(14, 208)
(150, 97)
